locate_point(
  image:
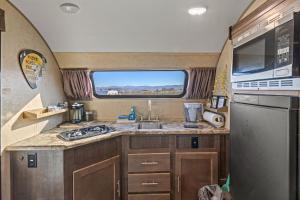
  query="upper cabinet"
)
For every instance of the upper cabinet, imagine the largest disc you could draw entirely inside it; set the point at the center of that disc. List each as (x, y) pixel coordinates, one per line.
(264, 16)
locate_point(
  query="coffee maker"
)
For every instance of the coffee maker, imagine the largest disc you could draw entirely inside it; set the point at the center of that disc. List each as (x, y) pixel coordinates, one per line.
(76, 113)
(193, 114)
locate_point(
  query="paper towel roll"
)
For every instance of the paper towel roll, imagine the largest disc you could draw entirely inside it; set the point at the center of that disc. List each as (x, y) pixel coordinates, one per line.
(213, 118)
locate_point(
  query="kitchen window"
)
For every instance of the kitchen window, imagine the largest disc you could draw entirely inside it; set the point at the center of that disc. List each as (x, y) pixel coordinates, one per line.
(139, 83)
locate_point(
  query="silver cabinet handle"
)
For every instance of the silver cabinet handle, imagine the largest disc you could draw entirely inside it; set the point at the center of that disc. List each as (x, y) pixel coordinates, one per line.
(118, 188)
(178, 184)
(149, 163)
(149, 184)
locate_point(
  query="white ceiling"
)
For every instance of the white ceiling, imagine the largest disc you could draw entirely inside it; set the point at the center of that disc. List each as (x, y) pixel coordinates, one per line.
(133, 25)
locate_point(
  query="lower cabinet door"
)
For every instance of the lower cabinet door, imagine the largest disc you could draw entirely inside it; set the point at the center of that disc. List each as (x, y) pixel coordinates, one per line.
(98, 181)
(193, 171)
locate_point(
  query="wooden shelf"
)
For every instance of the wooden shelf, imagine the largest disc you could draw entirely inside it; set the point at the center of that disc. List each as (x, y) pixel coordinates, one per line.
(218, 110)
(41, 113)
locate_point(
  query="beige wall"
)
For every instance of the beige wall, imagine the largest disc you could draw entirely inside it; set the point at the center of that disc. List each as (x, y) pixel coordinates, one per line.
(222, 83)
(109, 109)
(136, 60)
(17, 96)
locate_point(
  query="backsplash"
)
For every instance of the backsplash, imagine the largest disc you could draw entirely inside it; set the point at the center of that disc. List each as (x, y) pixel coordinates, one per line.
(110, 109)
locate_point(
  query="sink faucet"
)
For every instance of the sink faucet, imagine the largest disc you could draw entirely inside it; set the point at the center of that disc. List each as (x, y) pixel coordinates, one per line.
(149, 109)
(149, 118)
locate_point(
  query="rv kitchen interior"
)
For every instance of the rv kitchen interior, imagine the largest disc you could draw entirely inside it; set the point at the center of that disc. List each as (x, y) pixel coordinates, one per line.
(150, 100)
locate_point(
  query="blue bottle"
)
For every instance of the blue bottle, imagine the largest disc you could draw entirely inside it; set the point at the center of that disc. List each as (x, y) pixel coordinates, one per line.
(132, 114)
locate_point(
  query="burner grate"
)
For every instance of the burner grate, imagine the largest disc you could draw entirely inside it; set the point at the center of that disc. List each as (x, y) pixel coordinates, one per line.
(91, 131)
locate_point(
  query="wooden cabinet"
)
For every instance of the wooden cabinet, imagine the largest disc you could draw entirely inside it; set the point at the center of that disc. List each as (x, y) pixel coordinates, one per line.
(156, 167)
(148, 170)
(149, 162)
(149, 173)
(153, 182)
(98, 181)
(153, 161)
(43, 182)
(194, 170)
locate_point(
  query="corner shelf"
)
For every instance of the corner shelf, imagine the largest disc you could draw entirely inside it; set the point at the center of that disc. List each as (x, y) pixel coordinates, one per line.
(41, 113)
(218, 110)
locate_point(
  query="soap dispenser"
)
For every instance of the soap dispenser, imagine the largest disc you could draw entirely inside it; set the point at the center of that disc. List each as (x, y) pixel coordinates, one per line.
(132, 114)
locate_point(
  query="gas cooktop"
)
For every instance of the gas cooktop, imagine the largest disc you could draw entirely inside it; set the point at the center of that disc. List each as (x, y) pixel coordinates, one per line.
(91, 131)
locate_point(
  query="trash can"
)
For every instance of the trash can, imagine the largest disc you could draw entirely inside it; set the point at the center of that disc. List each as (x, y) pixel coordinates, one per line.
(213, 192)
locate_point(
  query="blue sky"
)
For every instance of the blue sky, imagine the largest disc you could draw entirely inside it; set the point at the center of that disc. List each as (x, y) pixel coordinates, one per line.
(138, 78)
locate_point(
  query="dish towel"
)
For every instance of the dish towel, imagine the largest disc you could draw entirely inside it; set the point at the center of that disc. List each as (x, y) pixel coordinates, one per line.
(210, 192)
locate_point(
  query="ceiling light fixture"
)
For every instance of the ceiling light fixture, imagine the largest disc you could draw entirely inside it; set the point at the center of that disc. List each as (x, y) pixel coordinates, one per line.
(69, 8)
(197, 11)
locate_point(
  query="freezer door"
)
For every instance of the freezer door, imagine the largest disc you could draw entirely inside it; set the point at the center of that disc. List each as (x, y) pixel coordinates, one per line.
(263, 153)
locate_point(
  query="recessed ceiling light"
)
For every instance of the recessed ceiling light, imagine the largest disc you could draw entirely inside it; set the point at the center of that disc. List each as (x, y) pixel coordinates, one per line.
(69, 8)
(197, 11)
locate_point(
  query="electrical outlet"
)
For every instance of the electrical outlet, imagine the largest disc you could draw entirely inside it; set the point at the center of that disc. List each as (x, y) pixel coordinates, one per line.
(32, 160)
(195, 143)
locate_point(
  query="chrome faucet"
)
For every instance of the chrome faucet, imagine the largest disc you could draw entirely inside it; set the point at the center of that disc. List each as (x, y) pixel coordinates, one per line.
(149, 118)
(149, 109)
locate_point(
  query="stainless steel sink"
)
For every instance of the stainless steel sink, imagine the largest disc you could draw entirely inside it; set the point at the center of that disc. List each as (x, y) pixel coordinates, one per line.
(150, 125)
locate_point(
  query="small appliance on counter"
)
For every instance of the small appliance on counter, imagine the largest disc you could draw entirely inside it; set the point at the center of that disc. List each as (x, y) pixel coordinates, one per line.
(76, 113)
(193, 114)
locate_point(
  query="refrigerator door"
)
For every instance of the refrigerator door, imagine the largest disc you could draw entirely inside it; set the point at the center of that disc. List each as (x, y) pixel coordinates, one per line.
(263, 153)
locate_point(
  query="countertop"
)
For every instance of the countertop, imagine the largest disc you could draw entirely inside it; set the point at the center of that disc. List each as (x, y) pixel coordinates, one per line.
(48, 140)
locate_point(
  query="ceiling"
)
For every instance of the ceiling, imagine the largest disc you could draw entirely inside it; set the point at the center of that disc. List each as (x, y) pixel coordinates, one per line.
(133, 25)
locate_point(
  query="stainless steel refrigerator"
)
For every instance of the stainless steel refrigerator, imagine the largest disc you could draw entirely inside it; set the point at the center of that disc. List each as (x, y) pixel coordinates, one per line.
(263, 140)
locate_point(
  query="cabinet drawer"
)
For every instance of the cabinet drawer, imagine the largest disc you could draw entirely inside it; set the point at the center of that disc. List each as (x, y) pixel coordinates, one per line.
(149, 197)
(149, 142)
(158, 182)
(149, 162)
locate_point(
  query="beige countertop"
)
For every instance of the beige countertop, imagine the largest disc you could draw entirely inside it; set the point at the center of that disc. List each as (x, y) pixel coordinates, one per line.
(48, 140)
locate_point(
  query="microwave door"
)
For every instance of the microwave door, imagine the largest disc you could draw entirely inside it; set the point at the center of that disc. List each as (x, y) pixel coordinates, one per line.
(254, 60)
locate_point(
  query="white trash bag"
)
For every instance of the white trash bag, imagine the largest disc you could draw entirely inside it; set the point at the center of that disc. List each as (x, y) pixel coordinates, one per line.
(210, 192)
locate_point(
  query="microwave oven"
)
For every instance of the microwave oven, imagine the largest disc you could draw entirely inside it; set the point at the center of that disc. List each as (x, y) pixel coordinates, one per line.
(269, 57)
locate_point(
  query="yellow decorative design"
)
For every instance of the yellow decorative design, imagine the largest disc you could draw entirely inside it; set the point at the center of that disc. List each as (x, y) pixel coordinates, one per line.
(32, 64)
(221, 83)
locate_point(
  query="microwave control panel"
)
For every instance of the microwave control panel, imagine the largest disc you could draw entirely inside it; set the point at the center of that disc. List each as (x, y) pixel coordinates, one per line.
(283, 49)
(284, 39)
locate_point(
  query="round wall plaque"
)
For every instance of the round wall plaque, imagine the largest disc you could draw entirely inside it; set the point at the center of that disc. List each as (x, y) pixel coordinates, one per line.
(33, 65)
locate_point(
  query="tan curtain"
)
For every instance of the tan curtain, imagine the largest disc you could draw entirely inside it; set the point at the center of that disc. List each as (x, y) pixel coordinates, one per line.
(201, 83)
(77, 84)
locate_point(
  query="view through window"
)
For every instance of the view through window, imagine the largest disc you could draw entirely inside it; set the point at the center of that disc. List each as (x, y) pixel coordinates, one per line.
(152, 83)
